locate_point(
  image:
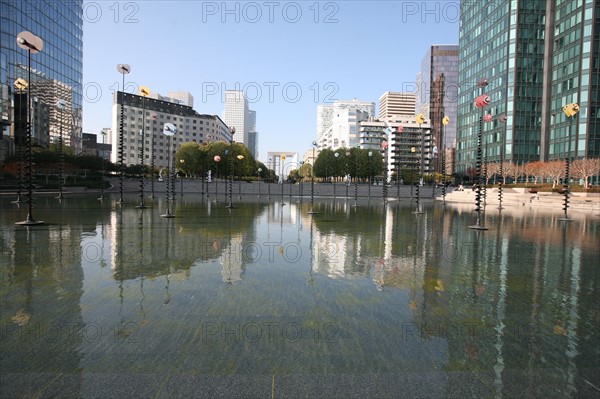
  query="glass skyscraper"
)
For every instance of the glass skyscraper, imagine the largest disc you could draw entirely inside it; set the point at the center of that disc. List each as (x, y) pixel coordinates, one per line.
(537, 56)
(56, 71)
(437, 93)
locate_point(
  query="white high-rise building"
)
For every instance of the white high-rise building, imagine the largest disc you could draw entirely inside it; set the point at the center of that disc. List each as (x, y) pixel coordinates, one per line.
(395, 103)
(236, 114)
(337, 124)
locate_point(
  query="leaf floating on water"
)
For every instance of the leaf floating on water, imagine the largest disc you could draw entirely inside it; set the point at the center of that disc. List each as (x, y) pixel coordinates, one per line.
(439, 286)
(412, 305)
(21, 318)
(559, 330)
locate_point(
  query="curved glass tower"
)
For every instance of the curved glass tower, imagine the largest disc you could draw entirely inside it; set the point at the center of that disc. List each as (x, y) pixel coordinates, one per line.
(56, 71)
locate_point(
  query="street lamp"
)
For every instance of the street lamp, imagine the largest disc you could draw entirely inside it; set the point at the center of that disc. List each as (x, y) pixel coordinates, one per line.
(33, 44)
(348, 174)
(502, 120)
(61, 104)
(169, 130)
(258, 172)
(240, 157)
(123, 70)
(20, 85)
(144, 91)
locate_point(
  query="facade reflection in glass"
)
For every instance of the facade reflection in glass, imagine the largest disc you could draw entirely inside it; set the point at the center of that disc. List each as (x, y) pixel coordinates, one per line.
(56, 71)
(272, 291)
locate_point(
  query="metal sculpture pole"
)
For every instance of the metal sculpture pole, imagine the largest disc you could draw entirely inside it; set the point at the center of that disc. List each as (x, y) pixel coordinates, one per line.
(312, 181)
(258, 172)
(240, 157)
(480, 102)
(123, 70)
(21, 85)
(445, 122)
(570, 111)
(356, 177)
(420, 119)
(144, 91)
(33, 44)
(61, 104)
(169, 131)
(152, 156)
(384, 146)
(281, 162)
(502, 119)
(101, 198)
(230, 204)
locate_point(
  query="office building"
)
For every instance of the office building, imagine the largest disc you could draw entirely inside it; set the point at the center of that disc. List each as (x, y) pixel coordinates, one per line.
(394, 103)
(56, 71)
(252, 134)
(236, 114)
(437, 93)
(337, 124)
(537, 56)
(191, 127)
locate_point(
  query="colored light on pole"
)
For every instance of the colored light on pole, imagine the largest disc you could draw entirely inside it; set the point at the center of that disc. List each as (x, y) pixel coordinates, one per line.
(217, 158)
(487, 117)
(482, 100)
(420, 118)
(445, 120)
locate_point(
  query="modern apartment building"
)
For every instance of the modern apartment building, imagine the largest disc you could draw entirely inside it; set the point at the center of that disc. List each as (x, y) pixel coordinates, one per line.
(56, 71)
(538, 56)
(409, 148)
(393, 103)
(138, 114)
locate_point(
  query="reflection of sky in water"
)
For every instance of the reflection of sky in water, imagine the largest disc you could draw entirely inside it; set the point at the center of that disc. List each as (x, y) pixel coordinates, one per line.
(270, 289)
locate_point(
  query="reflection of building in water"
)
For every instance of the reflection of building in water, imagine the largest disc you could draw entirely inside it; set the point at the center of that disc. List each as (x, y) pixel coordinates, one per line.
(231, 260)
(41, 281)
(142, 244)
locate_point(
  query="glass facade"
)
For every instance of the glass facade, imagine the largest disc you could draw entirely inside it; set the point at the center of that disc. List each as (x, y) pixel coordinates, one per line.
(538, 56)
(56, 71)
(575, 79)
(438, 92)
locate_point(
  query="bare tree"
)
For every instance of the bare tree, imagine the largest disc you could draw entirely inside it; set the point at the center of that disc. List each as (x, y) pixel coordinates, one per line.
(508, 169)
(554, 170)
(493, 168)
(533, 169)
(586, 168)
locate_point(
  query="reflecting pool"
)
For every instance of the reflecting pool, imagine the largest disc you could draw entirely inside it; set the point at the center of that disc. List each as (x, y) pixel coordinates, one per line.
(267, 300)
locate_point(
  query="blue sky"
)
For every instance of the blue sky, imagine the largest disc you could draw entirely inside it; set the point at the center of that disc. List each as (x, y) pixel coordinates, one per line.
(289, 56)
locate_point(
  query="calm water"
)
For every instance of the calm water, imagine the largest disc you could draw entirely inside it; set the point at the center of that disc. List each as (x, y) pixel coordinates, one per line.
(349, 300)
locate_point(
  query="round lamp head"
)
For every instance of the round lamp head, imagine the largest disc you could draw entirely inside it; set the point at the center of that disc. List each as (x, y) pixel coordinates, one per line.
(61, 104)
(502, 118)
(337, 154)
(482, 101)
(487, 117)
(240, 157)
(123, 68)
(445, 120)
(30, 42)
(169, 129)
(400, 129)
(217, 158)
(144, 91)
(420, 118)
